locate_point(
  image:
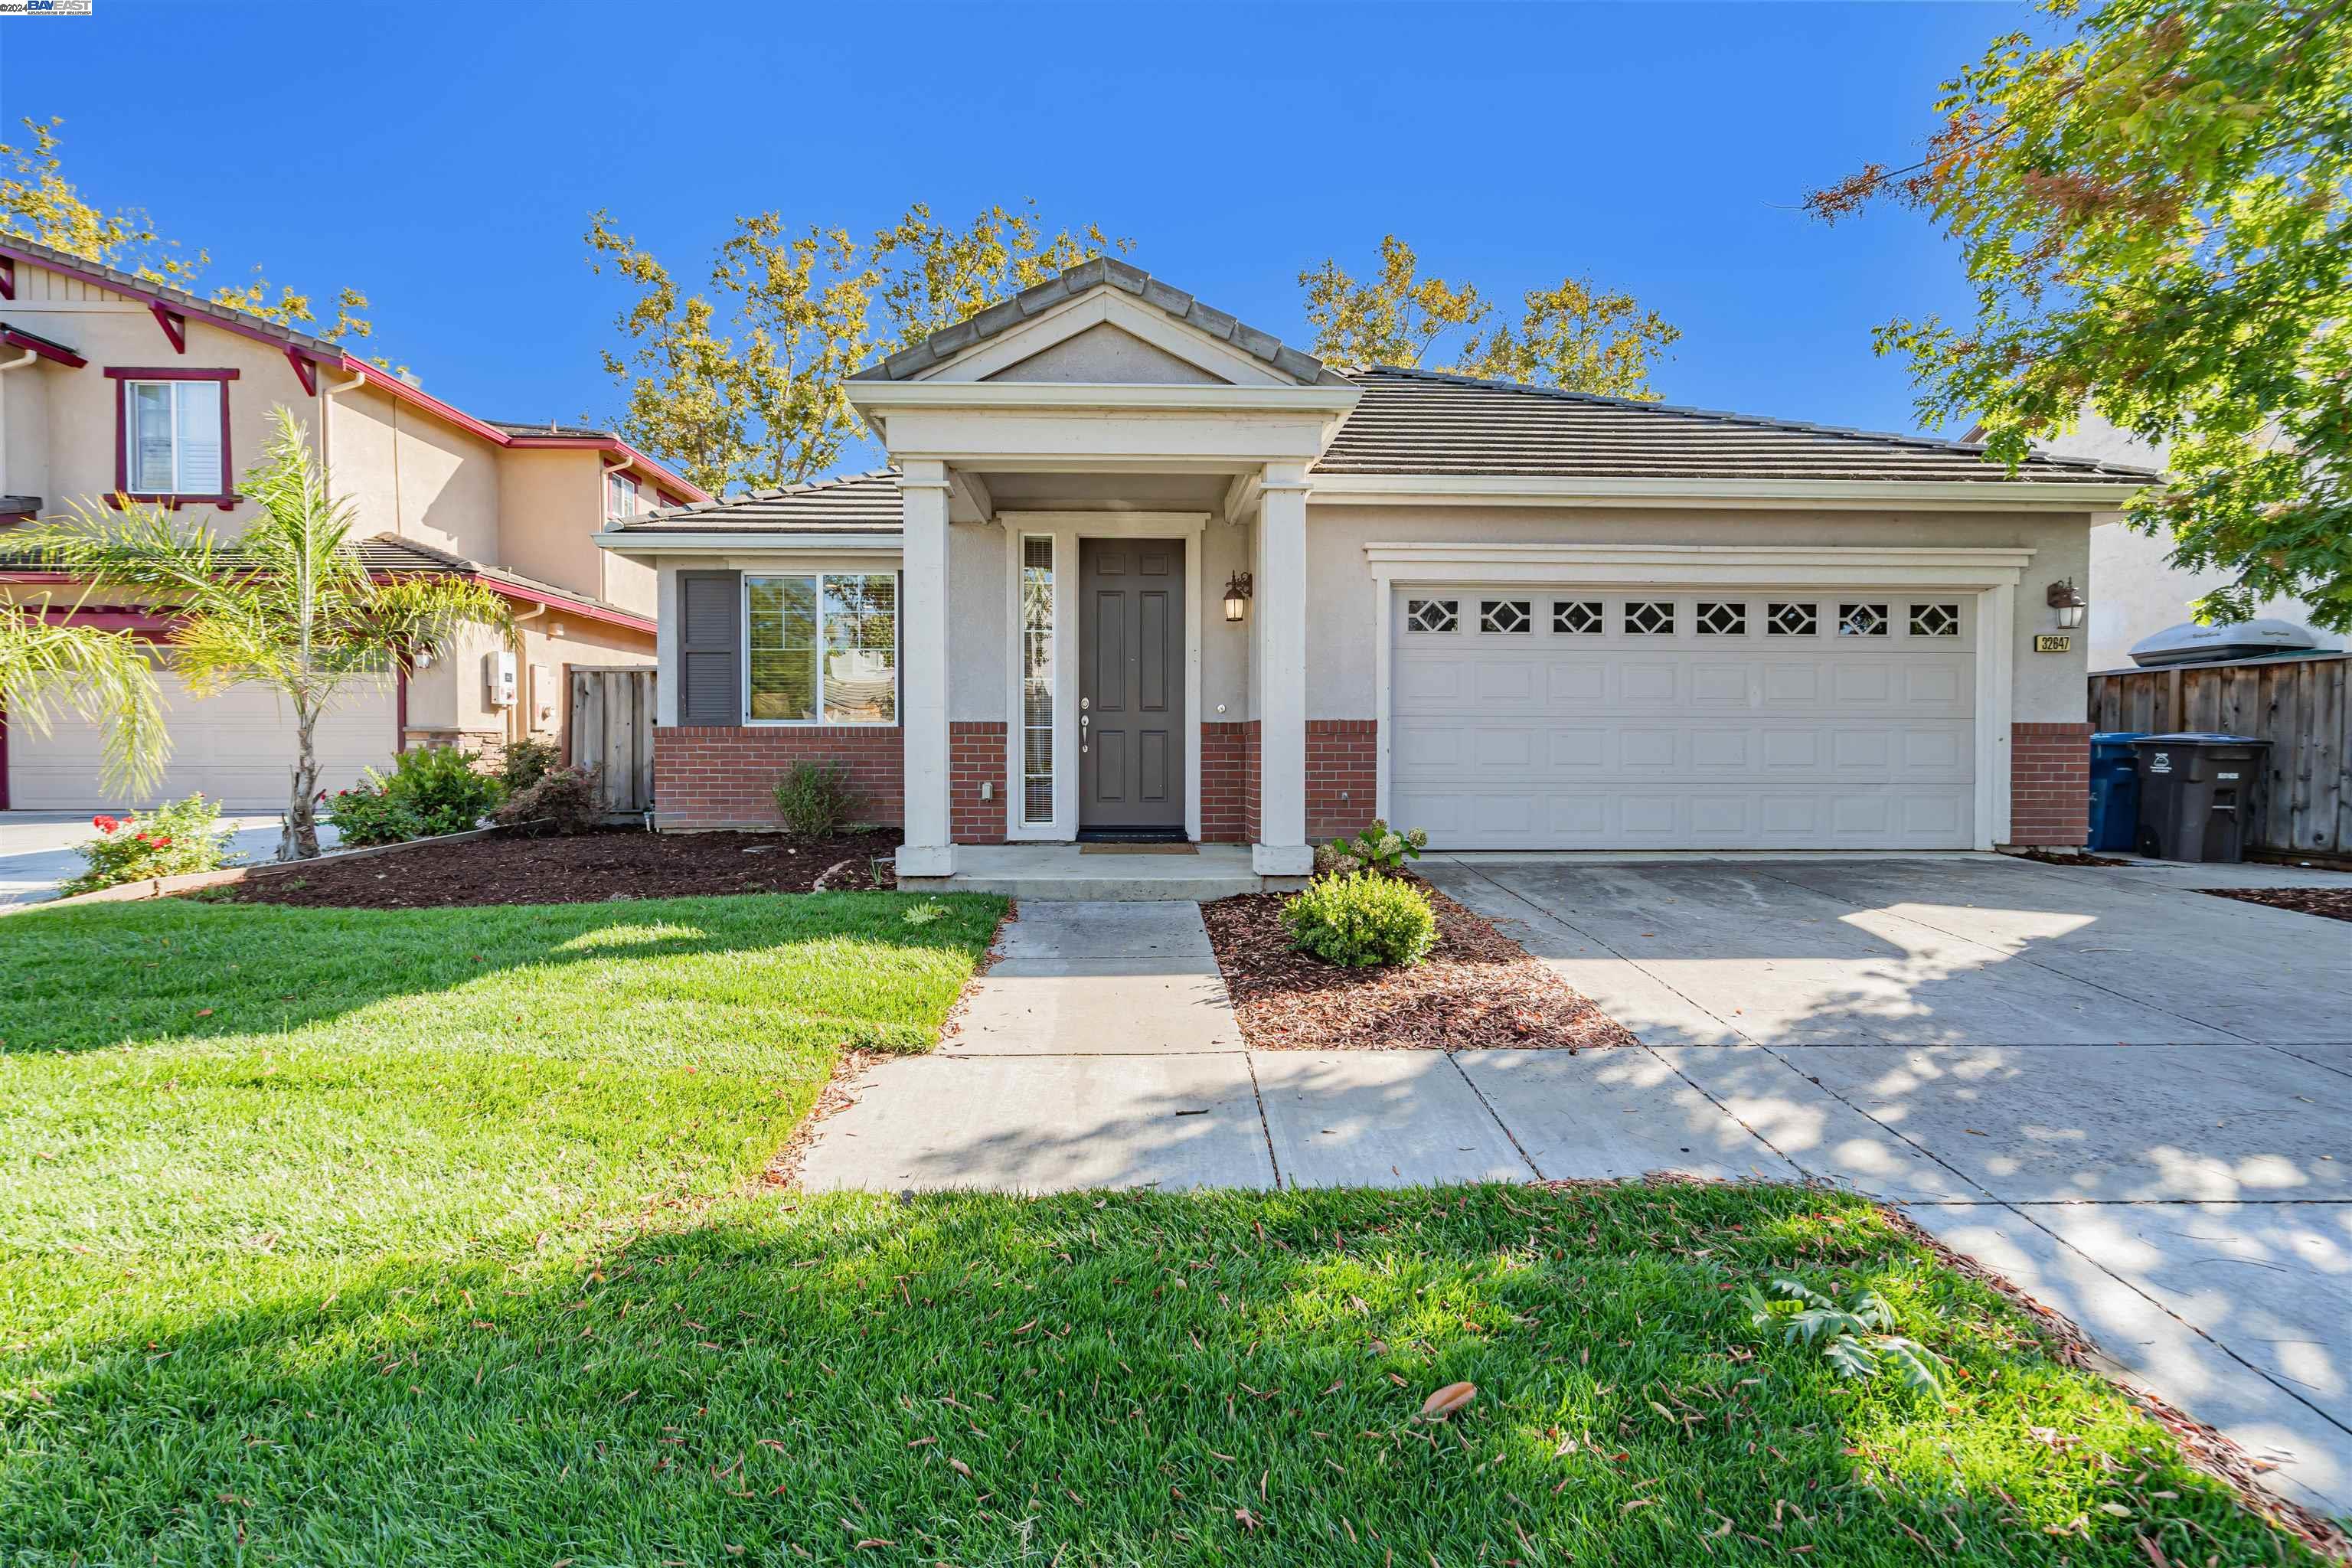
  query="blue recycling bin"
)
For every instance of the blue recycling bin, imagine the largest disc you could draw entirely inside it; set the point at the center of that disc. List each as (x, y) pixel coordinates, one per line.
(2114, 791)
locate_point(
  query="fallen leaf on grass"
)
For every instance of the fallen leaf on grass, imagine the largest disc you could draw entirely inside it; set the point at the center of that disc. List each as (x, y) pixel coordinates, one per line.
(1447, 1400)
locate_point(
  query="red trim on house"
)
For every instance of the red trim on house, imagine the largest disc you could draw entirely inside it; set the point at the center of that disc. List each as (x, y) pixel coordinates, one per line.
(4, 756)
(306, 370)
(400, 708)
(54, 353)
(175, 324)
(392, 385)
(226, 500)
(138, 618)
(7, 287)
(559, 602)
(116, 286)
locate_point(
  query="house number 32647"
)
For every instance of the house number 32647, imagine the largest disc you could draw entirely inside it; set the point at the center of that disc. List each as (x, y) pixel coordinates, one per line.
(2047, 643)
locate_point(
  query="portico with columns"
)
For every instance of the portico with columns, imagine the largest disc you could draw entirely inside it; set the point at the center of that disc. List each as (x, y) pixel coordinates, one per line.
(1104, 426)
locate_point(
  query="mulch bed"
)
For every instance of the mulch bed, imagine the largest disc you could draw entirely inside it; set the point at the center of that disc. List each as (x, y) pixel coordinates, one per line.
(2066, 858)
(590, 868)
(1477, 990)
(2335, 903)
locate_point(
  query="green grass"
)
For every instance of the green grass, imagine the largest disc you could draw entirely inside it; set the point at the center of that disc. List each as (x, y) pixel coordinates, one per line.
(455, 1258)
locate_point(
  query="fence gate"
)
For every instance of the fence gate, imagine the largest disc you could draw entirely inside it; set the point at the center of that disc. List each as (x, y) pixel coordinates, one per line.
(611, 728)
(2301, 706)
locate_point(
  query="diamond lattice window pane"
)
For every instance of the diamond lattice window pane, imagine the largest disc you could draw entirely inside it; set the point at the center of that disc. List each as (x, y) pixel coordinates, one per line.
(1650, 618)
(1504, 616)
(1935, 620)
(1576, 617)
(1431, 614)
(1723, 620)
(1790, 620)
(1862, 620)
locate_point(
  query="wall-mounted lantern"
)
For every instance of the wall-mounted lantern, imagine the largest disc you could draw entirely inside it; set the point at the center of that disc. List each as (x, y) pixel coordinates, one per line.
(1238, 590)
(2068, 601)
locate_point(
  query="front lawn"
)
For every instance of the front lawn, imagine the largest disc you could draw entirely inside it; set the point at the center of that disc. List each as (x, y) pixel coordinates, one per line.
(436, 1238)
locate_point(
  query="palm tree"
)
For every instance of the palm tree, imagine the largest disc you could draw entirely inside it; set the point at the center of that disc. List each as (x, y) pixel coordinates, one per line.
(288, 604)
(46, 666)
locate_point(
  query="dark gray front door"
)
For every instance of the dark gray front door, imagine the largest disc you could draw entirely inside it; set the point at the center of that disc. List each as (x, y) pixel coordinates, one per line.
(1131, 683)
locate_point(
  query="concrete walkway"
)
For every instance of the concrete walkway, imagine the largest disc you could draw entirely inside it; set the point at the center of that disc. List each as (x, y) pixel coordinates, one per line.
(2132, 1099)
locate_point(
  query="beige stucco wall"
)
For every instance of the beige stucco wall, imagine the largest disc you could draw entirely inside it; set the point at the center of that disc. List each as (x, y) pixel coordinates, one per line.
(416, 476)
(1344, 625)
(551, 506)
(25, 396)
(76, 425)
(451, 698)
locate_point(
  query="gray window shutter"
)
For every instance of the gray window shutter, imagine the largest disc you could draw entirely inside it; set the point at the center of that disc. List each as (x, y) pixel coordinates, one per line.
(711, 648)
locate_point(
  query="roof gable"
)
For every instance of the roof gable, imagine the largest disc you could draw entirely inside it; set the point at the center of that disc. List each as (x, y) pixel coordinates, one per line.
(1096, 293)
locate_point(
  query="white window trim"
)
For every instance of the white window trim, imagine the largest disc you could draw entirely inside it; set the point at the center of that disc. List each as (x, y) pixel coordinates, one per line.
(1991, 575)
(129, 417)
(1066, 528)
(615, 478)
(897, 663)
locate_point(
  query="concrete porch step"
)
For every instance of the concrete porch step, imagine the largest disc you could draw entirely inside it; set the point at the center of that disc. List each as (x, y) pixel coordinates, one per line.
(1059, 872)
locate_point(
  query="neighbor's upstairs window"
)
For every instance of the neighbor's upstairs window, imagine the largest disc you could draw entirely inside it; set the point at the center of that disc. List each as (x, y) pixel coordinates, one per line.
(623, 500)
(822, 647)
(174, 433)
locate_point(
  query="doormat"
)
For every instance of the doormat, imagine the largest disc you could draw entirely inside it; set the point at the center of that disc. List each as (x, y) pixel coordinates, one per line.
(1139, 849)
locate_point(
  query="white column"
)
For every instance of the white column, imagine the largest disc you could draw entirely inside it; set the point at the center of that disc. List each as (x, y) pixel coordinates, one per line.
(1279, 608)
(923, 670)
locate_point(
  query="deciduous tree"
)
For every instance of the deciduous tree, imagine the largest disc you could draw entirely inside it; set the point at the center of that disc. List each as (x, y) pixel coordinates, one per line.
(742, 386)
(1575, 336)
(39, 202)
(2156, 214)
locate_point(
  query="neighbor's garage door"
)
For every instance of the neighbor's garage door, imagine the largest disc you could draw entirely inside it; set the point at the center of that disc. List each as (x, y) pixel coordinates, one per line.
(1566, 720)
(237, 747)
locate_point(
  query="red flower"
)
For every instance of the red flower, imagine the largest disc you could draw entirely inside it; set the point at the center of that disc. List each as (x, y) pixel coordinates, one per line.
(104, 824)
(144, 839)
(164, 842)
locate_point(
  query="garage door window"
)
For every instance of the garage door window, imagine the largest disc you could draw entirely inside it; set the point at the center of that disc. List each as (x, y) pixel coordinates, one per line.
(1650, 618)
(1792, 621)
(1935, 620)
(1862, 620)
(1504, 616)
(1577, 618)
(1431, 614)
(1722, 619)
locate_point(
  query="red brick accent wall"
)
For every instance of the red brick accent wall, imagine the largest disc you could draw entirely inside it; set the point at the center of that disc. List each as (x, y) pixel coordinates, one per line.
(975, 758)
(715, 776)
(1342, 776)
(2050, 784)
(1228, 781)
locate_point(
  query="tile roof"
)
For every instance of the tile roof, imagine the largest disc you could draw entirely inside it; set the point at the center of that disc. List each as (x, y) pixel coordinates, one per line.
(949, 342)
(852, 504)
(1428, 421)
(549, 428)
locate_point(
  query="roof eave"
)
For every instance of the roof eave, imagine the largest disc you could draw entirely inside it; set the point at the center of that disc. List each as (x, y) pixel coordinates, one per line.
(678, 542)
(1842, 495)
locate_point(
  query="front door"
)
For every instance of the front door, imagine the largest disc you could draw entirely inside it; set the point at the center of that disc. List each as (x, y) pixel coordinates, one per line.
(1131, 684)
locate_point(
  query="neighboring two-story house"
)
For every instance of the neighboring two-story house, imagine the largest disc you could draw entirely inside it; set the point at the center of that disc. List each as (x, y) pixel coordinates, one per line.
(113, 385)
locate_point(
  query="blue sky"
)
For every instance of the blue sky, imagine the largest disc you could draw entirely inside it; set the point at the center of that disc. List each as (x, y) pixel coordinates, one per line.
(446, 158)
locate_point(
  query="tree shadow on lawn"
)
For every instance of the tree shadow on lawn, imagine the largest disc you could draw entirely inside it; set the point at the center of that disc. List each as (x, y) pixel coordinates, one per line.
(1120, 1378)
(180, 971)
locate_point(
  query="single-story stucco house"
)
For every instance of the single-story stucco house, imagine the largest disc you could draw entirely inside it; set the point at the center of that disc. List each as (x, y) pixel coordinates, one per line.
(1136, 569)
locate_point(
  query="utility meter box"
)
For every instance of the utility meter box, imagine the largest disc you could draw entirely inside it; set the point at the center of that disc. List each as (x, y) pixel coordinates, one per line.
(498, 680)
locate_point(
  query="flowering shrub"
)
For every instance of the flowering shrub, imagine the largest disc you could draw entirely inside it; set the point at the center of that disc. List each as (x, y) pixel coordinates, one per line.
(1375, 848)
(176, 838)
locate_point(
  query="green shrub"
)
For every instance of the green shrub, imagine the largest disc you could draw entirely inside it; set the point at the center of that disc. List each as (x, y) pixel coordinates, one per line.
(567, 800)
(431, 790)
(1375, 848)
(816, 800)
(522, 763)
(1360, 920)
(443, 787)
(176, 838)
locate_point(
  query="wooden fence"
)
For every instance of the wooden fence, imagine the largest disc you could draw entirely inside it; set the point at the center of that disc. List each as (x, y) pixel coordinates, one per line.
(2301, 706)
(611, 728)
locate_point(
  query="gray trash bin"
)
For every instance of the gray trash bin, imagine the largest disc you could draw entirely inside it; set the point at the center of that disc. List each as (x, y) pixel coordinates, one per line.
(2196, 794)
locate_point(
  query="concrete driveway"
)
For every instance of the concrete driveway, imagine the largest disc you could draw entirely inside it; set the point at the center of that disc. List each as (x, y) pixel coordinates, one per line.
(2131, 1097)
(36, 847)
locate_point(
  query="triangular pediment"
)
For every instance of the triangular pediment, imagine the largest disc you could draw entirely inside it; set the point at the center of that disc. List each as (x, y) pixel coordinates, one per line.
(1104, 322)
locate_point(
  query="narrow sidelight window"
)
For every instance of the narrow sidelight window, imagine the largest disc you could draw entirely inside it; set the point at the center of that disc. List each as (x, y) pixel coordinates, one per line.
(1036, 678)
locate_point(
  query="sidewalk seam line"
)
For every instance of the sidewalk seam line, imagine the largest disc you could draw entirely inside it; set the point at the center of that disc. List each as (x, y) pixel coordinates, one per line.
(1496, 1116)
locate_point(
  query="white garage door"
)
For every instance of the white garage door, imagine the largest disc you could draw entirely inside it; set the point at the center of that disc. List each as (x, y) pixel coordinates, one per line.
(237, 747)
(1664, 720)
